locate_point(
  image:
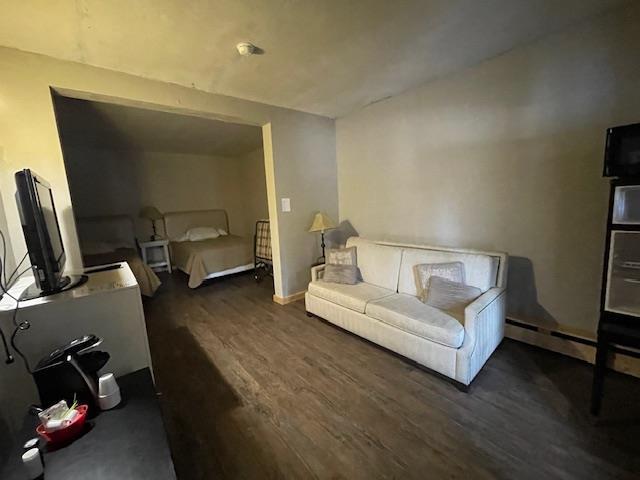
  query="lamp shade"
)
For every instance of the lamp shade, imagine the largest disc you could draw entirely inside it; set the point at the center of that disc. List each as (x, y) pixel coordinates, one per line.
(151, 213)
(322, 222)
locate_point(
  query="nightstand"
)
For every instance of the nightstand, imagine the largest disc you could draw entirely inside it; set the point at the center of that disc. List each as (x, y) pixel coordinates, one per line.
(160, 248)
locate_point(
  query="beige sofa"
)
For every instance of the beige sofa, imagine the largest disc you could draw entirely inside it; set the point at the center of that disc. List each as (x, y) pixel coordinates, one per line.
(384, 307)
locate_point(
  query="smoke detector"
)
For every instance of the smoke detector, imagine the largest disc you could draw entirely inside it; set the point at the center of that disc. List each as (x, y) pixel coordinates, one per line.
(246, 49)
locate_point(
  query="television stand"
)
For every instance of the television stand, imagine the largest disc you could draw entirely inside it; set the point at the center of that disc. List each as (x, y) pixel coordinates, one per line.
(66, 283)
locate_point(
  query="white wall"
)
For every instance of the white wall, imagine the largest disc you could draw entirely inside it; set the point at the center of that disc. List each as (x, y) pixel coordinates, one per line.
(4, 228)
(253, 186)
(125, 181)
(506, 155)
(308, 183)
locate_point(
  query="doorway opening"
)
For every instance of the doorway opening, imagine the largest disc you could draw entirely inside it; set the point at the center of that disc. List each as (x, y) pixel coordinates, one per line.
(169, 193)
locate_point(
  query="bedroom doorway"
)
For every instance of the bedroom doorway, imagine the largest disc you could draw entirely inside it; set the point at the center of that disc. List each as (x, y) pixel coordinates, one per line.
(160, 189)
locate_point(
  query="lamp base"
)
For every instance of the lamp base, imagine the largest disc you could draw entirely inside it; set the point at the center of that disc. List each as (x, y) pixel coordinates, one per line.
(322, 243)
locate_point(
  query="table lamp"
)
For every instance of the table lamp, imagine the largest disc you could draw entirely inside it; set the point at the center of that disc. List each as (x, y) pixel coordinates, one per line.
(322, 222)
(152, 214)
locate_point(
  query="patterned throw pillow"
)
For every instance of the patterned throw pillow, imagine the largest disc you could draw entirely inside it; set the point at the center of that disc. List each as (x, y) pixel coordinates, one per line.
(342, 256)
(345, 274)
(341, 266)
(453, 271)
(449, 296)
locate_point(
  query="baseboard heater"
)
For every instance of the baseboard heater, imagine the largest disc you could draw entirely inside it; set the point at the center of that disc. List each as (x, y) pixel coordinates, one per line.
(588, 343)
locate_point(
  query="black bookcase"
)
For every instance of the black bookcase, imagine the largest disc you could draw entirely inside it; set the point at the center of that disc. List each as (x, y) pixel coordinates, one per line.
(620, 297)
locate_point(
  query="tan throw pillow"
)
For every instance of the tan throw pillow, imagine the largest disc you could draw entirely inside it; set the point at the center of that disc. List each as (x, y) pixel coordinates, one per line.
(453, 271)
(345, 274)
(342, 256)
(449, 296)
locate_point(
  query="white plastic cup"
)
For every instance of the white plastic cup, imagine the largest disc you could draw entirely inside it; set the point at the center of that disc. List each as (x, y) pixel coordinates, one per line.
(107, 385)
(107, 402)
(108, 392)
(33, 463)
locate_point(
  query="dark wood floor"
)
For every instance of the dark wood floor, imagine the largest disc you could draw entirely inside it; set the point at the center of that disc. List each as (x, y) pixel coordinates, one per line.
(251, 389)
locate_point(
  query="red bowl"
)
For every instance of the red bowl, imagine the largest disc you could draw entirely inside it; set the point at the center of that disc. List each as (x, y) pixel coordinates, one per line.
(68, 433)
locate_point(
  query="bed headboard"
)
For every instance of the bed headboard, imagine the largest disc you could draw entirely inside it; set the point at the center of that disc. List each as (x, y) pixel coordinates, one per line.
(177, 223)
(115, 230)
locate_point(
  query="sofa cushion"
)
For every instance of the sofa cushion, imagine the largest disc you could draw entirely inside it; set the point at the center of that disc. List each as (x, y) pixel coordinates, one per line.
(408, 313)
(354, 297)
(480, 270)
(379, 264)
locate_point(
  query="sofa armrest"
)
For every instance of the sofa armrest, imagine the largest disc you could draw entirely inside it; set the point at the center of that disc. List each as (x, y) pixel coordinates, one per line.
(317, 272)
(483, 332)
(475, 308)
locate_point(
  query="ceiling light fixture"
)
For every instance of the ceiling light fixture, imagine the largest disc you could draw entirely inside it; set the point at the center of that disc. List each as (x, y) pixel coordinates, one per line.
(246, 49)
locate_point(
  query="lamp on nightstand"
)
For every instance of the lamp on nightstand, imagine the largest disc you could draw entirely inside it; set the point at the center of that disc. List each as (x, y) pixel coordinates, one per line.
(152, 214)
(322, 222)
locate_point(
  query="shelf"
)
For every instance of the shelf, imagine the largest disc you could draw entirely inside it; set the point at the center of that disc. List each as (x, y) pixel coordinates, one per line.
(625, 310)
(626, 227)
(628, 264)
(157, 264)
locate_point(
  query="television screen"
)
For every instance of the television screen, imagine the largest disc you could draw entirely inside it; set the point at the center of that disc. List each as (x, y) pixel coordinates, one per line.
(45, 198)
(41, 230)
(622, 152)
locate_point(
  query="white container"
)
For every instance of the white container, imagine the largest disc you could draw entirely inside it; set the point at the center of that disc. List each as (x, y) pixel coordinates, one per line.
(107, 384)
(108, 392)
(33, 463)
(107, 402)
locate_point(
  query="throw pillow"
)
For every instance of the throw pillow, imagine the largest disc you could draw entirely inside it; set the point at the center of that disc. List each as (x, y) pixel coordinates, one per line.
(453, 271)
(341, 256)
(345, 274)
(450, 296)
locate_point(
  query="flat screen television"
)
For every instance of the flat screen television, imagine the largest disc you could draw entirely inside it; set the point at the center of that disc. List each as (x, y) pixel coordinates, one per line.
(41, 231)
(622, 151)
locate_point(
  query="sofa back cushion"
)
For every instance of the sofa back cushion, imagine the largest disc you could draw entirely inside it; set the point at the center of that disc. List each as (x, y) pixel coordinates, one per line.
(480, 270)
(379, 264)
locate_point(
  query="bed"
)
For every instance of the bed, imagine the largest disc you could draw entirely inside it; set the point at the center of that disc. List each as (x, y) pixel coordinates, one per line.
(110, 239)
(205, 259)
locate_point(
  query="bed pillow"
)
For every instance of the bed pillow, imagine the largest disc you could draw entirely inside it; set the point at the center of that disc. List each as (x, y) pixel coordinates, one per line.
(222, 232)
(453, 271)
(200, 233)
(449, 296)
(345, 274)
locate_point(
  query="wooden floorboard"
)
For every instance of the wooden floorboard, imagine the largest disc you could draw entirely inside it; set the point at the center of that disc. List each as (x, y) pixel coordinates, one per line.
(252, 389)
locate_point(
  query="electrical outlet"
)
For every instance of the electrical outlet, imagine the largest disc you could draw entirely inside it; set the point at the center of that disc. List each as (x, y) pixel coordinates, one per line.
(286, 204)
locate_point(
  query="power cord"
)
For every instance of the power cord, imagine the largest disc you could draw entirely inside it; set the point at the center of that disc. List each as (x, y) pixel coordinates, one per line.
(19, 327)
(5, 286)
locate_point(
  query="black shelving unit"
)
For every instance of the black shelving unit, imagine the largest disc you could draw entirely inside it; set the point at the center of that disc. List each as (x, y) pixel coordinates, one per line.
(620, 296)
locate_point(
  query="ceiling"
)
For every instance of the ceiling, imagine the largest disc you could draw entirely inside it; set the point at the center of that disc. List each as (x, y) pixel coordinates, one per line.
(322, 56)
(87, 124)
